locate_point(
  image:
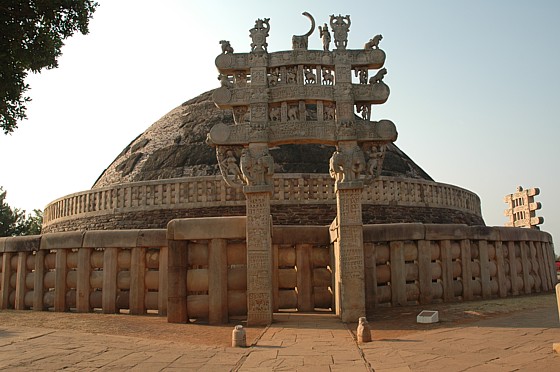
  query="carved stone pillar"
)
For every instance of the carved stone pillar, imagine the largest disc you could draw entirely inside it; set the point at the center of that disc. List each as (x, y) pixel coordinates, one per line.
(350, 302)
(259, 255)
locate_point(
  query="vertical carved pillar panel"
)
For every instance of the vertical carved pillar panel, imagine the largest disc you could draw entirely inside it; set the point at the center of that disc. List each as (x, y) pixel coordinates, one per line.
(350, 294)
(259, 255)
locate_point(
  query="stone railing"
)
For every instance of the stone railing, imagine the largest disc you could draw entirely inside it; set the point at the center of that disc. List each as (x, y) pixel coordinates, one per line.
(421, 264)
(211, 191)
(107, 270)
(127, 270)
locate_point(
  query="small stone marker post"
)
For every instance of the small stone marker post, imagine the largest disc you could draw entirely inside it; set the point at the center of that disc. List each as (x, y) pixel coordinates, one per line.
(363, 332)
(238, 337)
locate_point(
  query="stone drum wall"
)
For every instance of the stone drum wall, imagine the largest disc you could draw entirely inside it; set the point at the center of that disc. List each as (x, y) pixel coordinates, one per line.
(296, 198)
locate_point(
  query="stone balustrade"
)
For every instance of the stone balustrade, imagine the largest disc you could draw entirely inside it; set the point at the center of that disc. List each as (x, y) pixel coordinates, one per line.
(422, 264)
(211, 192)
(128, 270)
(106, 270)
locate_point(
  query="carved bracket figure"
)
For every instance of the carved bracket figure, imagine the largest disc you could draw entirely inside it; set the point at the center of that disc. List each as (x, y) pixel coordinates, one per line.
(373, 43)
(375, 155)
(347, 165)
(257, 170)
(300, 42)
(325, 36)
(229, 165)
(377, 78)
(226, 47)
(258, 34)
(340, 26)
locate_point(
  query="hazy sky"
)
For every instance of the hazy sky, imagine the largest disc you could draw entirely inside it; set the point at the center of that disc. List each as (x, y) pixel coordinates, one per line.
(474, 88)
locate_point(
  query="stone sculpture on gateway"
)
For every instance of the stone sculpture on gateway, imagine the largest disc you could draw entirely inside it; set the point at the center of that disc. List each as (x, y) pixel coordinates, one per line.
(299, 97)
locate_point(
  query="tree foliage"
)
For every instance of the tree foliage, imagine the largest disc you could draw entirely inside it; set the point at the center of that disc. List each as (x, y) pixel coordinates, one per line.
(14, 221)
(31, 38)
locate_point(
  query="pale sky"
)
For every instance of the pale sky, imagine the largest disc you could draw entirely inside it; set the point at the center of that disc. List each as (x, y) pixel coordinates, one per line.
(474, 89)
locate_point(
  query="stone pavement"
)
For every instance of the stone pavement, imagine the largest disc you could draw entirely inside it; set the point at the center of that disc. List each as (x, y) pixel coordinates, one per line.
(301, 342)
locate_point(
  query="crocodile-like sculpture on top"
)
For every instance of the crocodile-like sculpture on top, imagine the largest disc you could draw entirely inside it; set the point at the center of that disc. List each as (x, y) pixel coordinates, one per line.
(301, 96)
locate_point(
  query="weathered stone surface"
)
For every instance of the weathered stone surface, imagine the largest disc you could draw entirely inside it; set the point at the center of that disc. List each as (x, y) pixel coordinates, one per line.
(71, 239)
(110, 239)
(22, 243)
(397, 231)
(206, 228)
(175, 146)
(290, 214)
(296, 234)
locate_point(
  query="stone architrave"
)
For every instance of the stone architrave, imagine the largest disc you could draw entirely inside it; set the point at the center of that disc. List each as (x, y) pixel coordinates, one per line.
(297, 97)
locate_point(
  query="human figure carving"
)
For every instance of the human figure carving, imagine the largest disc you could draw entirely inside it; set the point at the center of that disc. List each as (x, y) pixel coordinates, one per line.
(240, 77)
(240, 114)
(301, 41)
(266, 162)
(291, 75)
(257, 170)
(375, 160)
(358, 163)
(293, 113)
(373, 43)
(377, 78)
(226, 47)
(310, 77)
(362, 72)
(227, 162)
(337, 164)
(258, 34)
(340, 26)
(325, 35)
(328, 78)
(246, 165)
(274, 77)
(364, 110)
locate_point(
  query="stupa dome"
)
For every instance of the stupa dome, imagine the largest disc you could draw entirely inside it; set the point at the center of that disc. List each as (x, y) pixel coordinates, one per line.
(170, 171)
(175, 146)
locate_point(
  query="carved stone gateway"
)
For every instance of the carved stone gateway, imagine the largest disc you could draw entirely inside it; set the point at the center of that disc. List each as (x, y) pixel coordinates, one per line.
(295, 97)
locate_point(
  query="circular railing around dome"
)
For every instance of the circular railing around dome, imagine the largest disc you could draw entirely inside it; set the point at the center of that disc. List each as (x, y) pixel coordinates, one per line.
(211, 191)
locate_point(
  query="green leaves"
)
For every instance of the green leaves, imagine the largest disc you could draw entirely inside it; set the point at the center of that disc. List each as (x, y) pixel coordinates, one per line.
(32, 33)
(14, 222)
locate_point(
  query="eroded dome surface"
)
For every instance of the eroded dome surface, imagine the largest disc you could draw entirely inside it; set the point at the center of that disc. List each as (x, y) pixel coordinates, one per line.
(175, 146)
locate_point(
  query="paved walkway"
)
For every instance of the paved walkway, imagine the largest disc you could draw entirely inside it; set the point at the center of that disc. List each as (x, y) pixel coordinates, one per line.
(301, 342)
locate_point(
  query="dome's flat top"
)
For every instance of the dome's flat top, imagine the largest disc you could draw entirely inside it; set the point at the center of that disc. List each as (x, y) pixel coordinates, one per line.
(175, 146)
